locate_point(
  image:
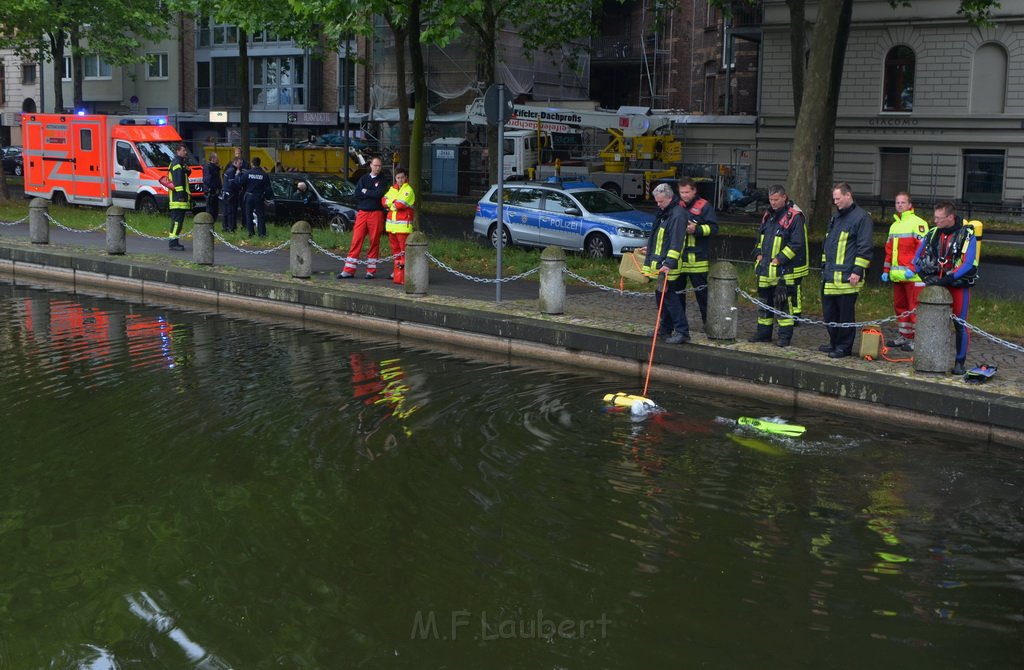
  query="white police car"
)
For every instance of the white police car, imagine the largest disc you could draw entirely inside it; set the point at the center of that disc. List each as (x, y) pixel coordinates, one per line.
(577, 216)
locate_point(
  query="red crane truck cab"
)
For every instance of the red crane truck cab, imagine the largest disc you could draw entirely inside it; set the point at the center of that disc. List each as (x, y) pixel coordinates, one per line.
(100, 160)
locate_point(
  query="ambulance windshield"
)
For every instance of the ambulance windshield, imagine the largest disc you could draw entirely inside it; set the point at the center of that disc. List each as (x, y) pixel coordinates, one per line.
(157, 154)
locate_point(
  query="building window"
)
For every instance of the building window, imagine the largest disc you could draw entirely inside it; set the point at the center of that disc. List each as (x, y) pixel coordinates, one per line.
(895, 171)
(988, 81)
(28, 73)
(203, 84)
(226, 92)
(95, 67)
(279, 82)
(346, 82)
(223, 34)
(898, 91)
(65, 74)
(156, 66)
(983, 175)
(710, 15)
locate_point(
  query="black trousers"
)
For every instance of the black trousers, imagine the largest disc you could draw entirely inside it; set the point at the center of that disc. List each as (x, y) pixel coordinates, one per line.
(841, 309)
(254, 216)
(696, 279)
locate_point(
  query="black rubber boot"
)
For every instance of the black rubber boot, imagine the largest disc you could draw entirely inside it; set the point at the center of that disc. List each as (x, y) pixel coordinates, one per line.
(785, 336)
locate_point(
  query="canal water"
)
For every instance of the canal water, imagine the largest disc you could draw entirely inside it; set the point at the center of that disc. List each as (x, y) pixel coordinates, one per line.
(183, 490)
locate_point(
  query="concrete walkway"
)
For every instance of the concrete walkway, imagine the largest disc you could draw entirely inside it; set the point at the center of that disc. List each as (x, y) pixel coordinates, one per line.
(614, 325)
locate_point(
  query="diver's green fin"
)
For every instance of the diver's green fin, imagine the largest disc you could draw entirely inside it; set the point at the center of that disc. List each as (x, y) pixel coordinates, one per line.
(772, 428)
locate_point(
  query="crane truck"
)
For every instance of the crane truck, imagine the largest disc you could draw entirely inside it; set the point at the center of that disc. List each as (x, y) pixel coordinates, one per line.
(640, 151)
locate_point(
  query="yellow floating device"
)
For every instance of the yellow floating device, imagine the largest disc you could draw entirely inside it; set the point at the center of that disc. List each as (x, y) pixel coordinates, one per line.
(772, 428)
(625, 399)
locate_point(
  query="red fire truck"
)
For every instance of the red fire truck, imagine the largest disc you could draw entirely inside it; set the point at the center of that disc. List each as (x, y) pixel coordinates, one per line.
(100, 160)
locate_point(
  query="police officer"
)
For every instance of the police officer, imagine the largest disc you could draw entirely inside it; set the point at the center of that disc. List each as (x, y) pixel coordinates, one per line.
(255, 184)
(781, 259)
(230, 193)
(178, 195)
(212, 184)
(702, 223)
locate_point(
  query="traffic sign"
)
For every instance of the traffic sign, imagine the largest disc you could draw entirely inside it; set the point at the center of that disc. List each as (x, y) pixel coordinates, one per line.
(494, 115)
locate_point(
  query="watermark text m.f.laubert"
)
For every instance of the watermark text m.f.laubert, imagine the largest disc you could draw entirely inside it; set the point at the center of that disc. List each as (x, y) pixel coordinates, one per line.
(456, 624)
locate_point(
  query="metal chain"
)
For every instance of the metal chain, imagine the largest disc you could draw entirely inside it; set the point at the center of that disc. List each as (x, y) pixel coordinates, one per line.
(831, 324)
(253, 252)
(14, 223)
(481, 280)
(73, 230)
(344, 259)
(142, 234)
(979, 331)
(602, 287)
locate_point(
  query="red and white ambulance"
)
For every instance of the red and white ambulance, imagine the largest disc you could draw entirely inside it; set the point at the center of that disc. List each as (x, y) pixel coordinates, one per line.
(95, 159)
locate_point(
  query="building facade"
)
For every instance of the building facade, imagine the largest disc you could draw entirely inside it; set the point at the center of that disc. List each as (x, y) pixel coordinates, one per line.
(929, 103)
(677, 60)
(20, 91)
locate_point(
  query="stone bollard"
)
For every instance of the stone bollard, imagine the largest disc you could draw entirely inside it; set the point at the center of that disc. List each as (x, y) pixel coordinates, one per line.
(552, 281)
(933, 339)
(202, 239)
(301, 252)
(722, 313)
(417, 267)
(38, 221)
(116, 245)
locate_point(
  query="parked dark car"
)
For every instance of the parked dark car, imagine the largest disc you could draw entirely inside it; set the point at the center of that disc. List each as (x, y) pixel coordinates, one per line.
(328, 201)
(13, 162)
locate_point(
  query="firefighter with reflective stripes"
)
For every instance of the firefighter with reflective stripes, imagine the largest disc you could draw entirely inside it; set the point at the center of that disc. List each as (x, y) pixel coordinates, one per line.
(905, 235)
(177, 173)
(781, 265)
(399, 201)
(662, 257)
(845, 257)
(702, 223)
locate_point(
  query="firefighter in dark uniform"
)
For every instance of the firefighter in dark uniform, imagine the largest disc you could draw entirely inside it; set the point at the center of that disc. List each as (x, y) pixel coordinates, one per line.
(178, 196)
(255, 184)
(702, 223)
(845, 257)
(781, 265)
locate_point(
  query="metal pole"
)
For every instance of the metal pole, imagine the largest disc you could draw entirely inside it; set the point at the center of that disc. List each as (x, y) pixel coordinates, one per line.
(344, 92)
(728, 64)
(501, 187)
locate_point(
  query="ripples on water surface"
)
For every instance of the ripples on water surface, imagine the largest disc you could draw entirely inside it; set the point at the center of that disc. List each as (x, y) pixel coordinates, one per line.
(187, 491)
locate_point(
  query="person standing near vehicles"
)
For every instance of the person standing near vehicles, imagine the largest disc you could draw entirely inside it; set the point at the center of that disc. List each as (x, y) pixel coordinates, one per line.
(178, 195)
(212, 184)
(702, 223)
(255, 184)
(399, 200)
(781, 257)
(662, 256)
(845, 257)
(905, 235)
(948, 256)
(230, 194)
(370, 189)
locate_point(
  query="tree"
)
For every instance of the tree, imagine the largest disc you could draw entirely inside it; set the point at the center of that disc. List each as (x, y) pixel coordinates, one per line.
(544, 27)
(40, 30)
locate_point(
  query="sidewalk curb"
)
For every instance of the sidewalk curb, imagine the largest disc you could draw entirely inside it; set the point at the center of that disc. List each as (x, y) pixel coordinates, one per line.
(799, 384)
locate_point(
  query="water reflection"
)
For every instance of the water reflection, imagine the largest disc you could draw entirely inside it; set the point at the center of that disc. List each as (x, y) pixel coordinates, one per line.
(182, 490)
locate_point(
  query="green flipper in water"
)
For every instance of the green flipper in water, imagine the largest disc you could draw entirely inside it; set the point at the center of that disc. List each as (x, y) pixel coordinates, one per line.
(772, 428)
